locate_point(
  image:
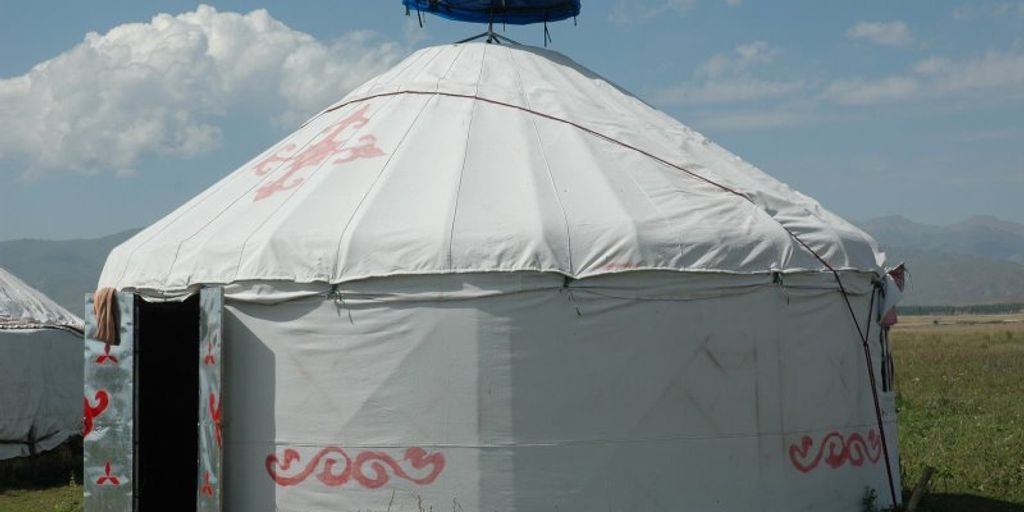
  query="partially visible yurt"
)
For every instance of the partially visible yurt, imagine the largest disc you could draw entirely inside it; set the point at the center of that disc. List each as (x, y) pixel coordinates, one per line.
(489, 279)
(40, 370)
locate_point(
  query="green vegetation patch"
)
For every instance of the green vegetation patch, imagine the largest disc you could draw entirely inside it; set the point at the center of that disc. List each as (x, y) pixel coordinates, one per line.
(67, 498)
(960, 395)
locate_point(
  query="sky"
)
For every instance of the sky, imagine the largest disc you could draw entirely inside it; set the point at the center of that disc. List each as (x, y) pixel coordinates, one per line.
(113, 113)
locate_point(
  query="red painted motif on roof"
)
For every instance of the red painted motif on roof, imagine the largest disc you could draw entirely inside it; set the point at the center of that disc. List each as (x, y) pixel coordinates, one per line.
(334, 143)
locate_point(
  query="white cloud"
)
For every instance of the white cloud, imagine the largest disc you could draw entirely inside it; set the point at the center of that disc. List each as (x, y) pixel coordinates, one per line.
(625, 12)
(986, 135)
(994, 70)
(867, 92)
(932, 65)
(630, 11)
(161, 88)
(724, 91)
(986, 10)
(730, 77)
(740, 60)
(757, 119)
(938, 77)
(893, 33)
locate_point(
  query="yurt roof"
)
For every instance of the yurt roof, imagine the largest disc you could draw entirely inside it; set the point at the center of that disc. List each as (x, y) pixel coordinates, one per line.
(24, 307)
(488, 158)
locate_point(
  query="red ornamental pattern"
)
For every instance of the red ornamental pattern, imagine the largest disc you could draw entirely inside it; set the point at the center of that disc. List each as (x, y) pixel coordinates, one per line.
(106, 355)
(215, 416)
(209, 359)
(840, 450)
(107, 477)
(314, 155)
(92, 411)
(379, 464)
(207, 489)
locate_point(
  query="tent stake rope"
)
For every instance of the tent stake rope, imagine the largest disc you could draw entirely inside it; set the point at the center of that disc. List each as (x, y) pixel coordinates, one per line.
(874, 388)
(835, 273)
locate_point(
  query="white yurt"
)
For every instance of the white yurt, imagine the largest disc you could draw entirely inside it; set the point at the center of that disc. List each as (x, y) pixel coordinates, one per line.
(40, 370)
(489, 279)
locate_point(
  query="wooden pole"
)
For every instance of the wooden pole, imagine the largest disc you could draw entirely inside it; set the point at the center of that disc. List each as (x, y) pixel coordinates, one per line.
(919, 489)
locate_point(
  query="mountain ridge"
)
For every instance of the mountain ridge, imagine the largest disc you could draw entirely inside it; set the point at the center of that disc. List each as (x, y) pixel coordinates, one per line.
(64, 270)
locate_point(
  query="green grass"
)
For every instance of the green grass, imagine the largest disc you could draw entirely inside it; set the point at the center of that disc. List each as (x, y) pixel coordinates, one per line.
(48, 482)
(960, 395)
(67, 498)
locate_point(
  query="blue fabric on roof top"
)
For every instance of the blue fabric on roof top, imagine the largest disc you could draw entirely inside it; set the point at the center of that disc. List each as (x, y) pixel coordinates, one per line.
(512, 12)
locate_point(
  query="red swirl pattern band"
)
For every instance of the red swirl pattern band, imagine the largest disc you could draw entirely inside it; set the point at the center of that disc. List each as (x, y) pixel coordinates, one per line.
(338, 468)
(836, 450)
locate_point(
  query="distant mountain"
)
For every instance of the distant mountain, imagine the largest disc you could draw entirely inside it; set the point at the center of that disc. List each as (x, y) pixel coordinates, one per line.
(981, 236)
(65, 270)
(938, 278)
(977, 261)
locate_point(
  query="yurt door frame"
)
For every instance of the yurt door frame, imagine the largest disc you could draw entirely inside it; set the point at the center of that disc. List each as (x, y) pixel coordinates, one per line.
(147, 399)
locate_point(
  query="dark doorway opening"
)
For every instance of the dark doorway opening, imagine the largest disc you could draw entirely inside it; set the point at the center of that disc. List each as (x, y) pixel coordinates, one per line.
(166, 404)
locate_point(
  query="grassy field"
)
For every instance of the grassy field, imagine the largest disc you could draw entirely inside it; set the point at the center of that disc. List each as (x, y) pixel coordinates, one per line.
(66, 498)
(960, 384)
(45, 483)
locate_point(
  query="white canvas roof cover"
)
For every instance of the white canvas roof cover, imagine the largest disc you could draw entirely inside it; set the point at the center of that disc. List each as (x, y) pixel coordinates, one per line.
(40, 372)
(479, 158)
(23, 307)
